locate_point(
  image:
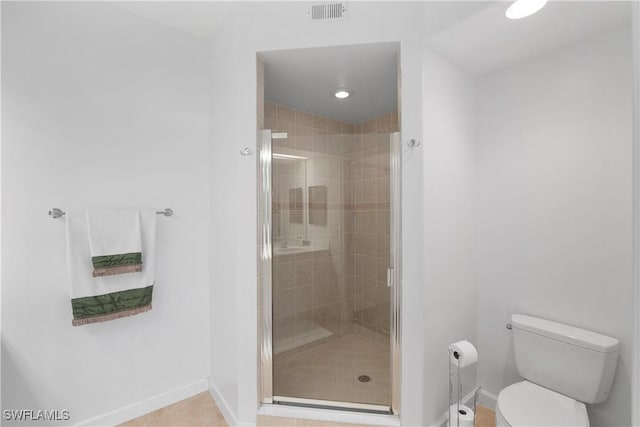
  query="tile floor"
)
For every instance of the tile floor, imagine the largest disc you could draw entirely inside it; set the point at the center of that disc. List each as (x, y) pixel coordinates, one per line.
(197, 411)
(200, 411)
(485, 417)
(329, 370)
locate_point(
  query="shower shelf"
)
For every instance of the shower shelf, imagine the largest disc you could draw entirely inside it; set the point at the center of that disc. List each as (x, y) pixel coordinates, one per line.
(297, 250)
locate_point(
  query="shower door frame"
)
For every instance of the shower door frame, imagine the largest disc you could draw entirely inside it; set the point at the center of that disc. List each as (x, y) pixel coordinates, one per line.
(265, 260)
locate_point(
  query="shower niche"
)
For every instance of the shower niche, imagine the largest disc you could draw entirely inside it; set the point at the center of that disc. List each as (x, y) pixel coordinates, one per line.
(329, 222)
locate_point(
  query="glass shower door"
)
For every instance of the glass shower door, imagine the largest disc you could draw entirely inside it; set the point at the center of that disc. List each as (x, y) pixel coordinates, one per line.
(334, 317)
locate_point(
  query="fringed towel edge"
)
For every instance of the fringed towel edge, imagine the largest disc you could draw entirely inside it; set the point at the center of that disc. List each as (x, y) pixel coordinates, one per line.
(112, 271)
(111, 316)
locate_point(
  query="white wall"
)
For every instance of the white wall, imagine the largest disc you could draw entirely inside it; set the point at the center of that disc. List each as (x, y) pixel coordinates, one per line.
(554, 204)
(448, 151)
(101, 108)
(256, 27)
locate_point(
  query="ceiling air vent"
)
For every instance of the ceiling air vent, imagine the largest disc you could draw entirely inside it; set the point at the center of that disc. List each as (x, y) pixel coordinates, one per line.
(329, 12)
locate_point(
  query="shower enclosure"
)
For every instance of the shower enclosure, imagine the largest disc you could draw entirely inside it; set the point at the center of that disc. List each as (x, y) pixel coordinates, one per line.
(329, 254)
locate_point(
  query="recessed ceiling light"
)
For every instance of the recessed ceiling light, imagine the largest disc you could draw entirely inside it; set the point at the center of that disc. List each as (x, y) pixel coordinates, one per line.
(523, 8)
(341, 93)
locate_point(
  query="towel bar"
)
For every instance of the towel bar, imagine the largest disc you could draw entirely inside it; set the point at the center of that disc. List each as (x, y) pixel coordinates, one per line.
(57, 213)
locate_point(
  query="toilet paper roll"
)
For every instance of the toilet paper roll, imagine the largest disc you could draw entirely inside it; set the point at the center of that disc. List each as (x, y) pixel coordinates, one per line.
(460, 416)
(463, 353)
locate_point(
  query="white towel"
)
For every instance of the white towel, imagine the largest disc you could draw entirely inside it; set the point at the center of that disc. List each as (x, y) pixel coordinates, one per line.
(80, 267)
(114, 241)
(114, 231)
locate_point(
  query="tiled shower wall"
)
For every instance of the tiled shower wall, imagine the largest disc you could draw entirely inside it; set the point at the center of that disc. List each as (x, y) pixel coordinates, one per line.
(345, 281)
(368, 208)
(309, 289)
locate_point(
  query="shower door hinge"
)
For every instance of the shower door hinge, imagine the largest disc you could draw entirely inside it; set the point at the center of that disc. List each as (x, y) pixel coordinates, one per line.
(390, 277)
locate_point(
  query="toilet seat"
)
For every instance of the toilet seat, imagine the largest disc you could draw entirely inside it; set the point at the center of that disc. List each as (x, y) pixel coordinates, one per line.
(528, 404)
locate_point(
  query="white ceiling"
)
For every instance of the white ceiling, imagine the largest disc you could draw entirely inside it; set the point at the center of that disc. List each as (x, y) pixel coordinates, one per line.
(197, 18)
(486, 41)
(201, 18)
(475, 35)
(439, 15)
(306, 79)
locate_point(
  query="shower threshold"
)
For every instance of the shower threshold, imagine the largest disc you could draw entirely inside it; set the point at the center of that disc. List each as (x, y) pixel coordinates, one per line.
(330, 404)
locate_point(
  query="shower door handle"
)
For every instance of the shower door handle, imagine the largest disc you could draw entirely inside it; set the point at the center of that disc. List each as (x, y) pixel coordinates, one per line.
(389, 277)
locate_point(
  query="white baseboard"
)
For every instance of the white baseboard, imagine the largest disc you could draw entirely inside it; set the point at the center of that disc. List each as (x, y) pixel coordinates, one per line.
(226, 411)
(143, 407)
(488, 399)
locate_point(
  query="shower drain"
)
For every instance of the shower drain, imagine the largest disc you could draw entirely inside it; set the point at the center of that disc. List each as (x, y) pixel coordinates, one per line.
(364, 378)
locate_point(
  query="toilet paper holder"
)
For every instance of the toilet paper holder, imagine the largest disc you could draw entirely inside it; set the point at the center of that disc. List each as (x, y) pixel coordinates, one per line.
(456, 407)
(461, 353)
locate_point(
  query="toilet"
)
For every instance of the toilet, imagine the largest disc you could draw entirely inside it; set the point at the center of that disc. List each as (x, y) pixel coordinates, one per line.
(563, 367)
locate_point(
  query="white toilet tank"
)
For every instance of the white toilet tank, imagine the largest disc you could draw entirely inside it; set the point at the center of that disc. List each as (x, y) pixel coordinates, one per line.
(572, 361)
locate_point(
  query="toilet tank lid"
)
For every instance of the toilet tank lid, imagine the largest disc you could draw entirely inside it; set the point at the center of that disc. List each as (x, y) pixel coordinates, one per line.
(566, 333)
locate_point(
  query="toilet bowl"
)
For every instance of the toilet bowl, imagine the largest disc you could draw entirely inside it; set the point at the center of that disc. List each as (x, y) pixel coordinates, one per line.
(528, 404)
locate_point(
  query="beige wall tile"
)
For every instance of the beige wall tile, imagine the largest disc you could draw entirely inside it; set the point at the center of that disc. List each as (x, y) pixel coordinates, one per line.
(365, 244)
(383, 247)
(382, 221)
(395, 120)
(260, 70)
(319, 141)
(283, 328)
(304, 256)
(270, 123)
(303, 272)
(270, 111)
(365, 221)
(304, 119)
(303, 299)
(304, 139)
(284, 276)
(334, 126)
(369, 267)
(321, 272)
(347, 128)
(383, 191)
(368, 127)
(369, 191)
(284, 302)
(334, 144)
(286, 114)
(320, 123)
(383, 122)
(381, 270)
